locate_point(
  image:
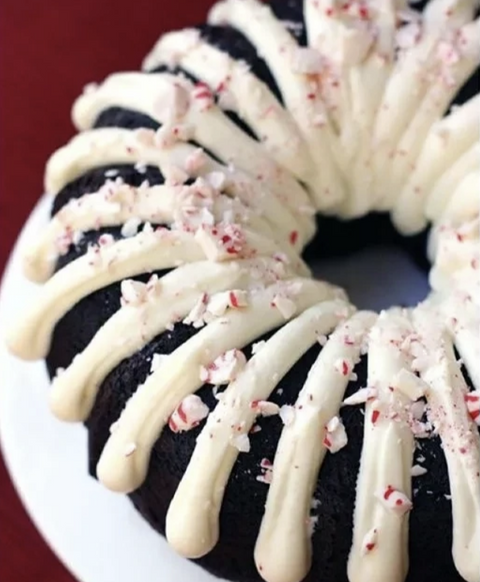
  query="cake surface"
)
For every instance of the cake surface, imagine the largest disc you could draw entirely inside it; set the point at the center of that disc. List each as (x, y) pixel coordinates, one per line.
(257, 419)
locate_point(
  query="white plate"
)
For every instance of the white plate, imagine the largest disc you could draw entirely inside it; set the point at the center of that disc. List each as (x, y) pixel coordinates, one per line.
(96, 533)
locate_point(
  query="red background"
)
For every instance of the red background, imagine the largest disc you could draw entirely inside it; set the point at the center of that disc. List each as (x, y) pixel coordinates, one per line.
(49, 49)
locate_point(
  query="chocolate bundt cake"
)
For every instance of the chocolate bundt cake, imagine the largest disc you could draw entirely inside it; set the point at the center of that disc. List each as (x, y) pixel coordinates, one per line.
(256, 418)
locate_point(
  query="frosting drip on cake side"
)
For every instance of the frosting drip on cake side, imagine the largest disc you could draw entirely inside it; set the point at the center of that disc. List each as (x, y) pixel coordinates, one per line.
(360, 127)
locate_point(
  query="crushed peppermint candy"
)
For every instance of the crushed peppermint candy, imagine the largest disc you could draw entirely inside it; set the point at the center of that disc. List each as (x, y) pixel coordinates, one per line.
(343, 366)
(157, 361)
(264, 407)
(171, 133)
(105, 240)
(196, 316)
(172, 104)
(395, 500)
(130, 228)
(241, 442)
(418, 471)
(225, 368)
(409, 384)
(258, 346)
(141, 167)
(221, 242)
(188, 414)
(286, 306)
(220, 302)
(216, 180)
(408, 35)
(135, 293)
(472, 400)
(335, 435)
(287, 414)
(361, 396)
(369, 541)
(203, 97)
(266, 475)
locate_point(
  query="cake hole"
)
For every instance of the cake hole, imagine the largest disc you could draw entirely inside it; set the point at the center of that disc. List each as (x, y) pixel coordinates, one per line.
(376, 277)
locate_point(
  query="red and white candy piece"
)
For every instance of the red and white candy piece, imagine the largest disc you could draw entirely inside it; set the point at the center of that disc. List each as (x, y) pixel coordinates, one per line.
(344, 366)
(286, 306)
(361, 396)
(220, 302)
(369, 541)
(221, 242)
(225, 368)
(267, 472)
(171, 133)
(395, 500)
(203, 97)
(472, 400)
(188, 414)
(264, 407)
(335, 435)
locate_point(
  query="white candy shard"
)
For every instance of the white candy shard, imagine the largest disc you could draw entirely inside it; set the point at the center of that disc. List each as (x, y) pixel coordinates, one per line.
(394, 500)
(361, 396)
(335, 435)
(287, 414)
(188, 414)
(225, 368)
(286, 306)
(242, 443)
(409, 384)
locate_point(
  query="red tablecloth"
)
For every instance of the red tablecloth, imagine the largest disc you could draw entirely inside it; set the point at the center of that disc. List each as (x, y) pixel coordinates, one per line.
(49, 49)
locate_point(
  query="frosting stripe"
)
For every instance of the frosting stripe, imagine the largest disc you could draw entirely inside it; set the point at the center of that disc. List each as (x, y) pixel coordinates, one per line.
(386, 460)
(460, 439)
(193, 517)
(283, 549)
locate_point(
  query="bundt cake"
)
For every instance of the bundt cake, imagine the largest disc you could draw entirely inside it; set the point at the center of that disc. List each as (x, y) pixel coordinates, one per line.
(256, 419)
